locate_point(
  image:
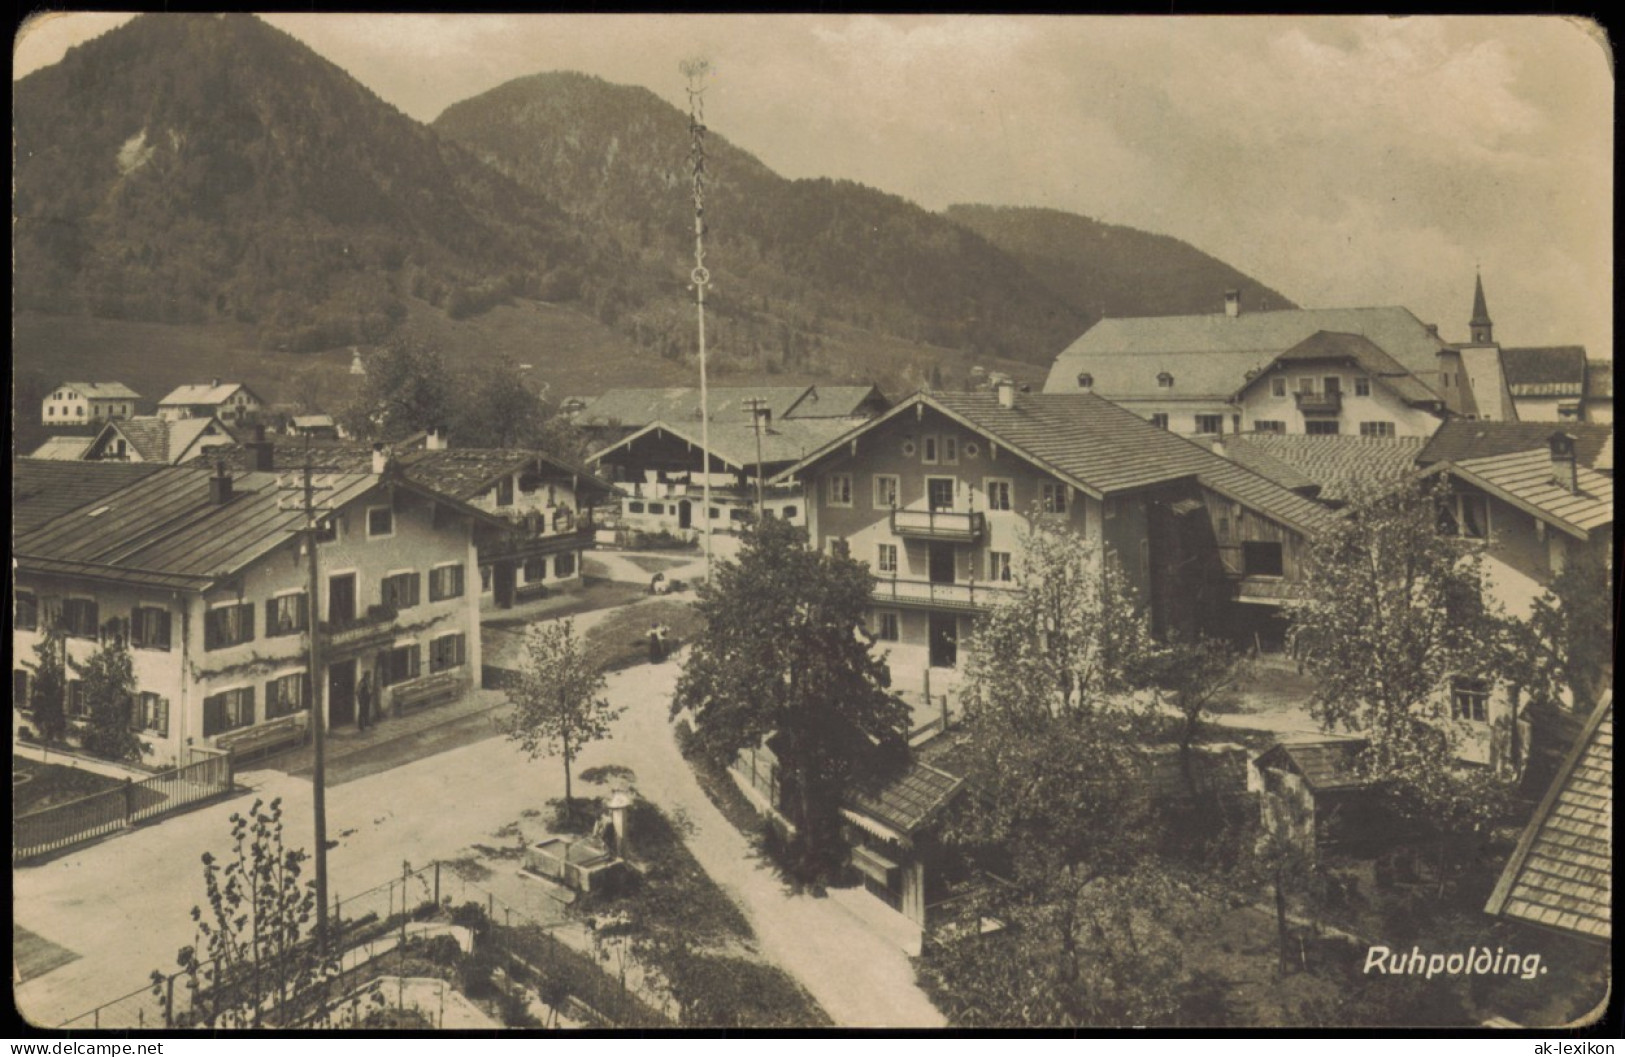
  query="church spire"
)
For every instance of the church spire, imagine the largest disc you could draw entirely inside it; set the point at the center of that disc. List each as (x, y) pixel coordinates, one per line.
(1482, 327)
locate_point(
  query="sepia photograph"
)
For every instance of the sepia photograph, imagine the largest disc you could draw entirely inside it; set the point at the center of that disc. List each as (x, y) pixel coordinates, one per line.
(543, 523)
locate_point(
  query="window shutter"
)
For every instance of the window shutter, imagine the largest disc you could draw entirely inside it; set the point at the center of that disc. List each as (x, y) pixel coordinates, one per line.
(163, 716)
(417, 588)
(214, 715)
(270, 616)
(309, 698)
(462, 655)
(211, 630)
(163, 627)
(134, 713)
(248, 706)
(414, 659)
(248, 623)
(304, 611)
(271, 699)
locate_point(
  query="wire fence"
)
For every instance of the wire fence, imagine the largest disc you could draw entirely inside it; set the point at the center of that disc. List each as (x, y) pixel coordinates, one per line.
(387, 937)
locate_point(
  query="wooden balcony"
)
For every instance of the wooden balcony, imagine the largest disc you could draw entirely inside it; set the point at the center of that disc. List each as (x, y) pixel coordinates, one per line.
(349, 637)
(927, 594)
(953, 526)
(537, 535)
(1319, 403)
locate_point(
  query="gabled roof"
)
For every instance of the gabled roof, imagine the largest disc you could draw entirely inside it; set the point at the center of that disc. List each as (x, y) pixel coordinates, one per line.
(1236, 448)
(636, 408)
(1545, 370)
(1337, 464)
(1099, 448)
(1525, 480)
(464, 473)
(161, 440)
(63, 449)
(42, 490)
(734, 443)
(1263, 335)
(1212, 376)
(205, 394)
(1561, 874)
(164, 530)
(313, 422)
(1326, 345)
(1599, 380)
(1327, 765)
(102, 390)
(838, 401)
(1459, 439)
(909, 802)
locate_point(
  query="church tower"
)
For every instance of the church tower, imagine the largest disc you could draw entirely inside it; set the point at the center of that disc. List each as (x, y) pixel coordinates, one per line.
(1483, 330)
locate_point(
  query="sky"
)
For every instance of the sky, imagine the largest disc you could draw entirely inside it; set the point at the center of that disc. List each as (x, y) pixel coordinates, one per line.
(1342, 161)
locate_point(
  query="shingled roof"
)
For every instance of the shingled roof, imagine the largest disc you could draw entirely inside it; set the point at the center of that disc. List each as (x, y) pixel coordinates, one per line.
(909, 802)
(1561, 874)
(1262, 335)
(1337, 464)
(1102, 448)
(62, 449)
(1326, 766)
(44, 489)
(213, 393)
(636, 408)
(1525, 480)
(1356, 349)
(734, 443)
(1460, 439)
(464, 473)
(1545, 370)
(102, 390)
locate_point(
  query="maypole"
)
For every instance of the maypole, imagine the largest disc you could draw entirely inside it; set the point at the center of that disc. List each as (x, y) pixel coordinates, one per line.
(696, 70)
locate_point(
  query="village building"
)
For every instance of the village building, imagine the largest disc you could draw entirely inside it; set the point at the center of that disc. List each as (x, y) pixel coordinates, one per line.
(1224, 372)
(1538, 383)
(619, 413)
(230, 402)
(62, 449)
(201, 572)
(316, 427)
(148, 438)
(87, 403)
(1330, 469)
(935, 494)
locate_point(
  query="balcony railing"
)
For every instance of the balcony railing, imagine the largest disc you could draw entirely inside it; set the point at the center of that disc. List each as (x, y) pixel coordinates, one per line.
(958, 526)
(537, 534)
(377, 626)
(969, 595)
(1320, 403)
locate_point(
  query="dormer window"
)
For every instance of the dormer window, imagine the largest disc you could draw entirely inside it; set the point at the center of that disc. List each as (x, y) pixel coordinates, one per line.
(1165, 380)
(1086, 380)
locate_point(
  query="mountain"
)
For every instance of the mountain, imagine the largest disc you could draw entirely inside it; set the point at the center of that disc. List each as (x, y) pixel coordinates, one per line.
(1106, 270)
(788, 257)
(210, 168)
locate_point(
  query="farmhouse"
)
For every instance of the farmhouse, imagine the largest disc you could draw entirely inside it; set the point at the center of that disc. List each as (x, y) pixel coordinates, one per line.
(201, 572)
(149, 438)
(87, 403)
(230, 402)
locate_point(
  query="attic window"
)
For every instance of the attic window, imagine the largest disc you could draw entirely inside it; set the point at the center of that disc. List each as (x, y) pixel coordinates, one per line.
(1165, 380)
(1086, 380)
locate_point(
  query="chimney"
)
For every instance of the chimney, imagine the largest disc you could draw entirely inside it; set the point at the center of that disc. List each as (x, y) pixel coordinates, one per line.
(261, 452)
(1432, 329)
(380, 458)
(214, 383)
(220, 485)
(1006, 387)
(1565, 468)
(1232, 303)
(436, 440)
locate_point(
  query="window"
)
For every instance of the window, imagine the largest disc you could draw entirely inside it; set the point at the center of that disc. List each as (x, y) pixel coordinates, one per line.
(1165, 380)
(634, 507)
(150, 714)
(402, 590)
(928, 449)
(998, 566)
(887, 559)
(19, 689)
(1223, 529)
(1334, 385)
(789, 513)
(950, 451)
(27, 611)
(939, 493)
(485, 579)
(885, 490)
(1376, 429)
(445, 581)
(1320, 429)
(564, 565)
(1277, 386)
(149, 628)
(1159, 419)
(1470, 700)
(1466, 515)
(286, 695)
(738, 514)
(535, 570)
(1261, 558)
(1306, 386)
(229, 625)
(341, 598)
(888, 626)
(80, 617)
(505, 492)
(286, 615)
(998, 494)
(380, 522)
(1362, 386)
(399, 665)
(228, 711)
(448, 652)
(1054, 499)
(1269, 425)
(657, 509)
(838, 547)
(838, 489)
(1210, 423)
(1086, 381)
(76, 699)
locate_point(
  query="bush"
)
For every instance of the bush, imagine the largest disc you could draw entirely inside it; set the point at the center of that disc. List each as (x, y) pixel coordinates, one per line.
(442, 950)
(514, 1010)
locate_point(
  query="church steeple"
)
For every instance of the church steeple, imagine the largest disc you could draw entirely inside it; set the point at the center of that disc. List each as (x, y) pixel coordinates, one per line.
(1483, 329)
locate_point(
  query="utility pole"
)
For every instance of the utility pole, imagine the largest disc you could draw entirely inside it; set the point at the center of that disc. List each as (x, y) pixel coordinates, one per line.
(756, 405)
(306, 500)
(696, 70)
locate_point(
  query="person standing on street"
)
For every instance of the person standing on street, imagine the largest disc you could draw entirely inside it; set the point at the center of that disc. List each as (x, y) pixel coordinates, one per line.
(363, 701)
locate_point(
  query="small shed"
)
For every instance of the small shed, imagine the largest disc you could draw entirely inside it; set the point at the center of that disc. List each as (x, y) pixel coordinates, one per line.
(1314, 793)
(889, 849)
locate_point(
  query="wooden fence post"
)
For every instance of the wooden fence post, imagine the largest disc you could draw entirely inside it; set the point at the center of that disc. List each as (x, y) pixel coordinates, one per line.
(129, 799)
(437, 882)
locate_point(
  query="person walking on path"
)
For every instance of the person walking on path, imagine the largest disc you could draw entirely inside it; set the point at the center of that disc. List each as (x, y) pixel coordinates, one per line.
(363, 701)
(656, 646)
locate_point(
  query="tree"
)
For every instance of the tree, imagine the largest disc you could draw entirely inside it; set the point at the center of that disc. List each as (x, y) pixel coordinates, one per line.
(784, 659)
(498, 409)
(107, 681)
(1070, 637)
(1195, 673)
(1573, 627)
(255, 960)
(49, 685)
(558, 698)
(1397, 609)
(408, 388)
